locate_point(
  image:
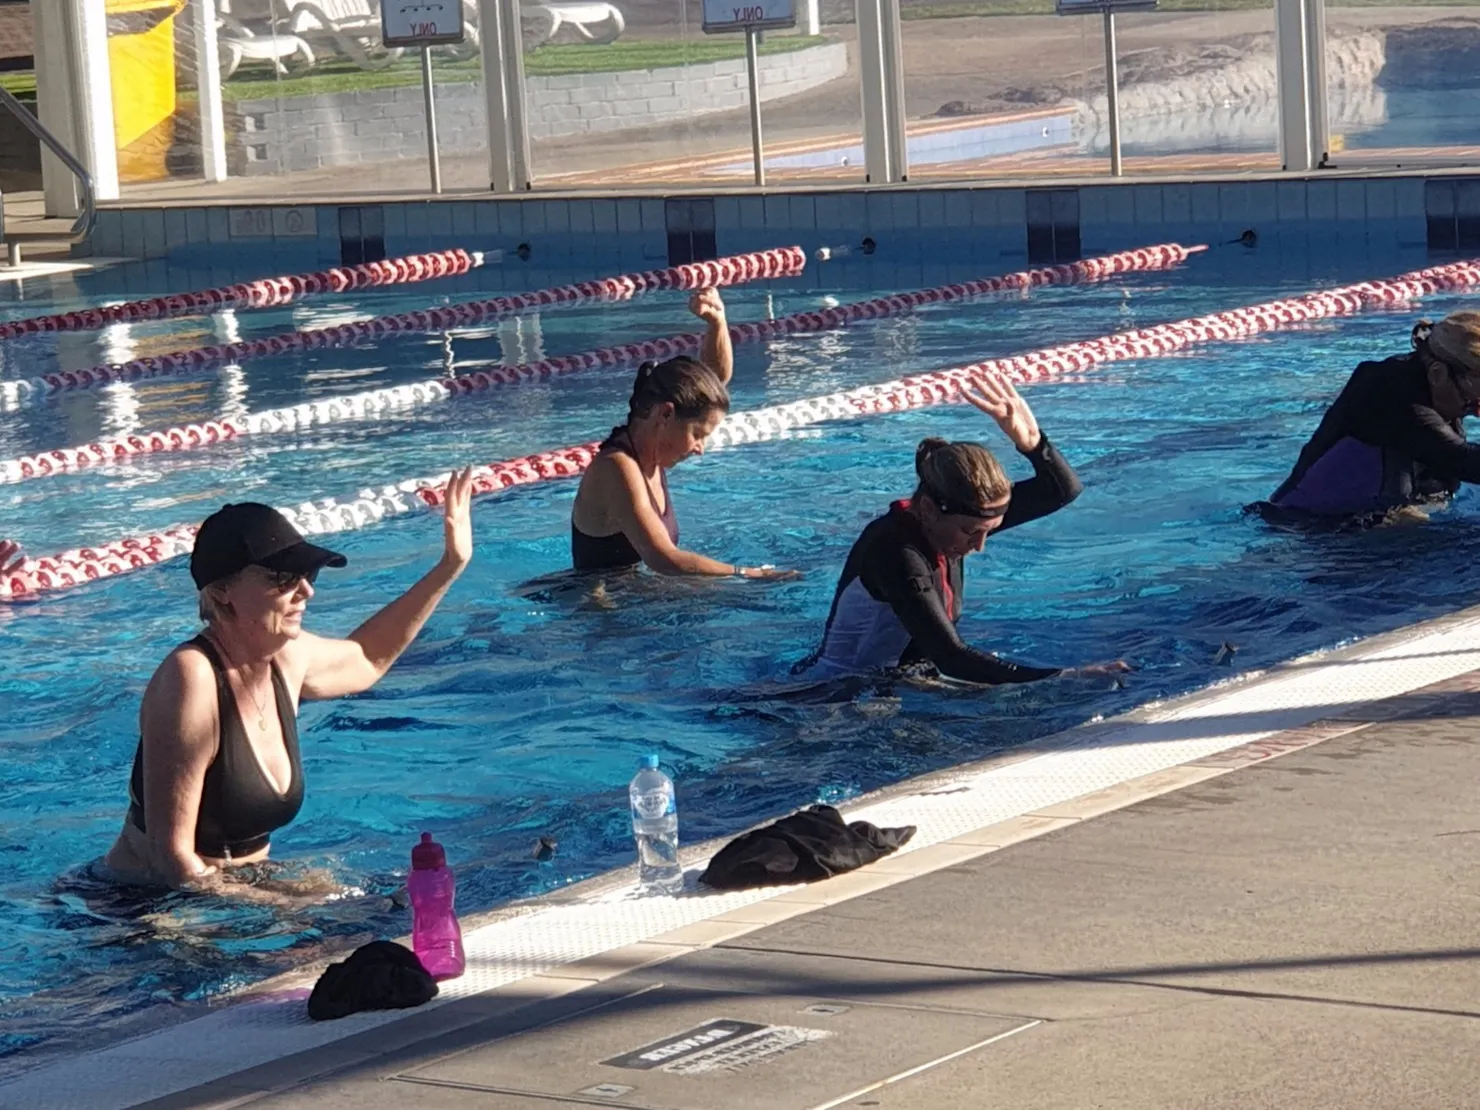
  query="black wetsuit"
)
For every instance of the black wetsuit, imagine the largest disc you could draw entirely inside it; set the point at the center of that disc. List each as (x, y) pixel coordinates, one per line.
(239, 807)
(615, 552)
(1380, 445)
(898, 600)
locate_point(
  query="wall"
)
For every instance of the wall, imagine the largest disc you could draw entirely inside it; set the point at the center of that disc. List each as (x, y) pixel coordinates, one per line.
(377, 125)
(1302, 225)
(20, 151)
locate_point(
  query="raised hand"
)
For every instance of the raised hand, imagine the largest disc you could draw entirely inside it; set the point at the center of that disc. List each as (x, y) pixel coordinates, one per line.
(708, 306)
(999, 399)
(457, 524)
(10, 556)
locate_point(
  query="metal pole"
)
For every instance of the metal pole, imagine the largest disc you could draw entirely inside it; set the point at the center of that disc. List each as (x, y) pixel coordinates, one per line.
(520, 170)
(434, 161)
(1112, 92)
(876, 134)
(208, 86)
(752, 67)
(892, 60)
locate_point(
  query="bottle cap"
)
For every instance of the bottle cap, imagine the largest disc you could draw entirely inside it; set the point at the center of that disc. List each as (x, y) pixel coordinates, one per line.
(428, 855)
(650, 760)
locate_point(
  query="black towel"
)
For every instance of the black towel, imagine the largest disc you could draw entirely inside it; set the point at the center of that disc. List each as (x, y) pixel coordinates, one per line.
(802, 848)
(381, 975)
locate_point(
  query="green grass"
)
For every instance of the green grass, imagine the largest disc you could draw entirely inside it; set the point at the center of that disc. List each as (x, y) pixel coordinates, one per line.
(546, 61)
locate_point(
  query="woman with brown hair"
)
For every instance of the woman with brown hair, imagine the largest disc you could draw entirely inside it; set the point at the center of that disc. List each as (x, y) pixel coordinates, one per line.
(899, 598)
(622, 514)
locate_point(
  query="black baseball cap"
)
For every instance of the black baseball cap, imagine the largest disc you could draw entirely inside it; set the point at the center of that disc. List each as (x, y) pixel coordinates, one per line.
(253, 535)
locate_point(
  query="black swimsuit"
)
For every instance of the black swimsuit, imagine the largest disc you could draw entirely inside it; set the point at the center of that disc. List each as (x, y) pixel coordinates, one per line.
(615, 552)
(239, 807)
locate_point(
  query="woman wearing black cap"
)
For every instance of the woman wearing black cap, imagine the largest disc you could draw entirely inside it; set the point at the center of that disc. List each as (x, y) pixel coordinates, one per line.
(217, 766)
(1394, 438)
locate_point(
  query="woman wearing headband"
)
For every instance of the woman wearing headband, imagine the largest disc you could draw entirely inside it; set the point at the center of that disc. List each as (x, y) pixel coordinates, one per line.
(1394, 436)
(622, 514)
(900, 595)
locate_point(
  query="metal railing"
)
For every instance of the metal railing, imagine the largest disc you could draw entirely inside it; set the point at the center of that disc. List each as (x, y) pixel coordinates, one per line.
(83, 225)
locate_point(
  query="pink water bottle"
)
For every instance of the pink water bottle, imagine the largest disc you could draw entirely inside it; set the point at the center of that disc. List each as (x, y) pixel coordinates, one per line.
(436, 937)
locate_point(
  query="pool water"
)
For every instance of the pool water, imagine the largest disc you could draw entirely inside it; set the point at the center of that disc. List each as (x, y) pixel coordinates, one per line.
(517, 716)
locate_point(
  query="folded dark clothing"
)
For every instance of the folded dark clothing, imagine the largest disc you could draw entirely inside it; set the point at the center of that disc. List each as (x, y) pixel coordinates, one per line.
(802, 848)
(381, 975)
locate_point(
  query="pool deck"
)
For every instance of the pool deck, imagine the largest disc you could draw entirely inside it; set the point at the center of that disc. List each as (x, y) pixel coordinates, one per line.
(1254, 896)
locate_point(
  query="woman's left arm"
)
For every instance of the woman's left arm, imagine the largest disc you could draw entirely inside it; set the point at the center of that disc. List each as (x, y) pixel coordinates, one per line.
(1054, 483)
(335, 668)
(717, 352)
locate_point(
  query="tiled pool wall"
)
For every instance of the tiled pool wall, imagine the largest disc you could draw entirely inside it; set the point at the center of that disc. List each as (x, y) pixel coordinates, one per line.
(1303, 223)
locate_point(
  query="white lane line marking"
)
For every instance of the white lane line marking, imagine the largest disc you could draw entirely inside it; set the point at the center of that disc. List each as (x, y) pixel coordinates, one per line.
(918, 1068)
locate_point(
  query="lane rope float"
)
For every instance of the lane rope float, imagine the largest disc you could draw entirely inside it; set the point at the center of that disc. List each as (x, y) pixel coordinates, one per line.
(400, 398)
(329, 515)
(262, 293)
(781, 262)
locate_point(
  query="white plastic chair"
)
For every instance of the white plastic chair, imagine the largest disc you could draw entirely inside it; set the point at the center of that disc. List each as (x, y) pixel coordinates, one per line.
(353, 26)
(606, 18)
(238, 43)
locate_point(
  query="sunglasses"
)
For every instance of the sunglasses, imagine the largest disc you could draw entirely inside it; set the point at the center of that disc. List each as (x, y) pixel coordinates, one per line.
(284, 580)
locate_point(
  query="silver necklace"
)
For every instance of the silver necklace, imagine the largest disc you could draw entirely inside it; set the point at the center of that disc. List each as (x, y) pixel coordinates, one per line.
(261, 705)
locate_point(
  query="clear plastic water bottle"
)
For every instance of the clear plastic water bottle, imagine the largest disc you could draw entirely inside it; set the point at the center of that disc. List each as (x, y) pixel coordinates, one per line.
(655, 826)
(436, 937)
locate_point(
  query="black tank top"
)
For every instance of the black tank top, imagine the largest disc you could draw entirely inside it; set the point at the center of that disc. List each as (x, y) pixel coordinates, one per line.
(239, 807)
(616, 552)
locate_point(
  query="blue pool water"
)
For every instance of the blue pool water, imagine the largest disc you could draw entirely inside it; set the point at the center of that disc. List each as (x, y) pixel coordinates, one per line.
(512, 718)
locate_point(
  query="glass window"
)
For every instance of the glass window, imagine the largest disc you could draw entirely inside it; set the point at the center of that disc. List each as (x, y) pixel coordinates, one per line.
(632, 94)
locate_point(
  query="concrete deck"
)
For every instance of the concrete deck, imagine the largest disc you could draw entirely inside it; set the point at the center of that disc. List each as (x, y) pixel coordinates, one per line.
(1292, 927)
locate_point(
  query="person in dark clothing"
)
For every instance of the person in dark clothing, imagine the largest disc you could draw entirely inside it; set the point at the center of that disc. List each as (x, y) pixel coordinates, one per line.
(900, 594)
(217, 768)
(622, 514)
(1394, 437)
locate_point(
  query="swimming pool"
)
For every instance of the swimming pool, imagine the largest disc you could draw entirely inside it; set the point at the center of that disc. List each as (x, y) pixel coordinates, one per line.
(514, 717)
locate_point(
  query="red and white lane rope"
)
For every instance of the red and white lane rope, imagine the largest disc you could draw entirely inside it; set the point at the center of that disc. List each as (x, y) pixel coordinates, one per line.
(782, 262)
(377, 402)
(262, 293)
(369, 505)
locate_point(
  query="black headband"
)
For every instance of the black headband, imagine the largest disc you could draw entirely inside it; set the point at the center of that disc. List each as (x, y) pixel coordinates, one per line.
(949, 508)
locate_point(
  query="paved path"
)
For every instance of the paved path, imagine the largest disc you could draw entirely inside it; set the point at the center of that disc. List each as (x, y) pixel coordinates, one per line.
(1295, 934)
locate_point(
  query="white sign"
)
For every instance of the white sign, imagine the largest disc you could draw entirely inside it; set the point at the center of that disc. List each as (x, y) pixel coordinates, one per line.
(420, 22)
(748, 15)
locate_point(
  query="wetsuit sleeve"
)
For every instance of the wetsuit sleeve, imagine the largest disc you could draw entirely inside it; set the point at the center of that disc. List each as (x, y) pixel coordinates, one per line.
(907, 583)
(1426, 437)
(1053, 485)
